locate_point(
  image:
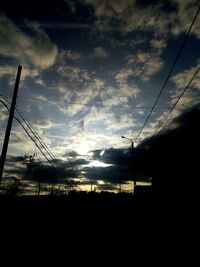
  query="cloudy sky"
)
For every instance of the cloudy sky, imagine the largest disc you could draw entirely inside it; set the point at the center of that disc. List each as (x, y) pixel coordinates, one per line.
(92, 69)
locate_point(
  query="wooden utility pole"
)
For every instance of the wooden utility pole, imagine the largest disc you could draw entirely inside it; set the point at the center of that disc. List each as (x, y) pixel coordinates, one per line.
(91, 187)
(9, 124)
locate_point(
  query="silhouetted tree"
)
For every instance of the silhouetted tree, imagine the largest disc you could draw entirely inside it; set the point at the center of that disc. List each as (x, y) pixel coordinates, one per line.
(30, 161)
(34, 169)
(12, 187)
(50, 174)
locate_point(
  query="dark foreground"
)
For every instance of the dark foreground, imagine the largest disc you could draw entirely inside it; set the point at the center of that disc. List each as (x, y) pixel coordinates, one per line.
(118, 226)
(144, 207)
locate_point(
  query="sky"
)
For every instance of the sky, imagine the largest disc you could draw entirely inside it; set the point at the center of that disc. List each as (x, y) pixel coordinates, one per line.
(92, 69)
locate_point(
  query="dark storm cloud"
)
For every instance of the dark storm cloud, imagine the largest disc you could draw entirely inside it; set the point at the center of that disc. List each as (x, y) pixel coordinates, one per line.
(96, 154)
(48, 174)
(73, 160)
(75, 163)
(119, 170)
(112, 174)
(116, 156)
(14, 159)
(171, 157)
(72, 163)
(112, 155)
(54, 171)
(71, 154)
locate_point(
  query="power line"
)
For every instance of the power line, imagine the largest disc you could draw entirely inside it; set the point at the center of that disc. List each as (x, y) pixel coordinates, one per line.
(176, 102)
(50, 162)
(30, 128)
(37, 137)
(5, 98)
(169, 74)
(17, 119)
(4, 105)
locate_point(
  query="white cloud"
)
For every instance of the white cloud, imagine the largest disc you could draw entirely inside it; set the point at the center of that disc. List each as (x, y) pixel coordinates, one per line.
(3, 112)
(113, 97)
(78, 99)
(126, 88)
(130, 16)
(20, 143)
(191, 96)
(119, 122)
(115, 101)
(107, 121)
(186, 12)
(7, 70)
(43, 124)
(151, 67)
(158, 45)
(69, 72)
(149, 18)
(182, 79)
(30, 50)
(124, 74)
(104, 8)
(91, 139)
(143, 65)
(11, 71)
(65, 92)
(99, 52)
(129, 90)
(40, 81)
(154, 19)
(66, 55)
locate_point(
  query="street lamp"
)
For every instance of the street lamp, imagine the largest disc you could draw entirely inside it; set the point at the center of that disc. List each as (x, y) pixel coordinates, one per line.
(132, 144)
(132, 149)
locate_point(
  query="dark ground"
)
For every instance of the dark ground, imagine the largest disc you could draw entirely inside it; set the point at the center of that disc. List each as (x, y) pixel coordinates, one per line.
(141, 208)
(118, 227)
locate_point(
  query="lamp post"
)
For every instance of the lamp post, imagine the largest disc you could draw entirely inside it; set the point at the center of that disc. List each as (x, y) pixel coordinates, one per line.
(132, 150)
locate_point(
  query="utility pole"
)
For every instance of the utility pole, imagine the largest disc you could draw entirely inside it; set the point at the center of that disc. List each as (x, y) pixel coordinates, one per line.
(132, 151)
(120, 187)
(91, 186)
(134, 177)
(9, 124)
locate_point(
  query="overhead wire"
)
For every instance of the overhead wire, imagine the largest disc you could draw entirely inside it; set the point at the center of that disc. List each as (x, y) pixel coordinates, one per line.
(158, 97)
(169, 74)
(39, 139)
(17, 119)
(36, 136)
(178, 99)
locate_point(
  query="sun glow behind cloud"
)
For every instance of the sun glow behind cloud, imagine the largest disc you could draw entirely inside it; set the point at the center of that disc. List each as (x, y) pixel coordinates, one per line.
(97, 163)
